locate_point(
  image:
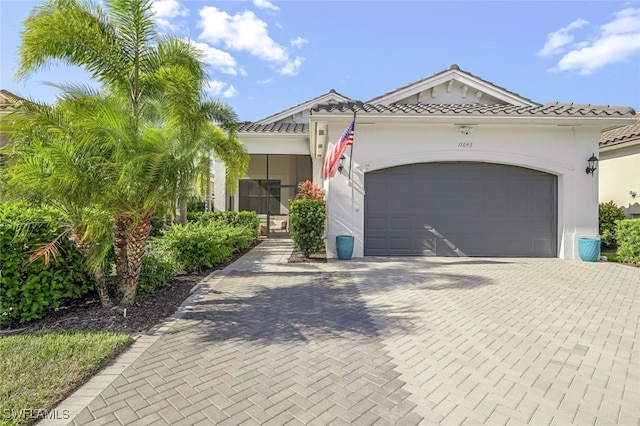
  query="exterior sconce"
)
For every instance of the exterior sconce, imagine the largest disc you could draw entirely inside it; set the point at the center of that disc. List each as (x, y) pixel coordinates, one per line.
(341, 164)
(465, 130)
(633, 194)
(592, 164)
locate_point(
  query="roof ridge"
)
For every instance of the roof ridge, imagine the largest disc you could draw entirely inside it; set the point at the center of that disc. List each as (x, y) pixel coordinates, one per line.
(330, 92)
(454, 67)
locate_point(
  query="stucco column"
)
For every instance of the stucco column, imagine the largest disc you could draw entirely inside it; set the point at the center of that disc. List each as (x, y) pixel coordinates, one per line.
(219, 187)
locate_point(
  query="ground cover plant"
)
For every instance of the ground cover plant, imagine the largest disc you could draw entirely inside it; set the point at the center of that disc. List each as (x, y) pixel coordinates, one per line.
(38, 371)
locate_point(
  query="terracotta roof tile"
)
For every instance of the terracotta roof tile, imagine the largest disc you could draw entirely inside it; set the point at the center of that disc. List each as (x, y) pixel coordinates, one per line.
(621, 134)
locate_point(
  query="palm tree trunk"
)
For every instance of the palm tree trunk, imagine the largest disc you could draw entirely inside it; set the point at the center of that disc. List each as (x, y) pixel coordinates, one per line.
(101, 288)
(136, 241)
(122, 225)
(98, 273)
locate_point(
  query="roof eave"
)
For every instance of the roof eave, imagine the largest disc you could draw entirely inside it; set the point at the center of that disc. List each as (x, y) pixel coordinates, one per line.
(364, 117)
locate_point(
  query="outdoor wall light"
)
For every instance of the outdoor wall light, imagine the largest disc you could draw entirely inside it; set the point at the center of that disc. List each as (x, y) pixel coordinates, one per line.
(341, 164)
(465, 130)
(592, 164)
(633, 194)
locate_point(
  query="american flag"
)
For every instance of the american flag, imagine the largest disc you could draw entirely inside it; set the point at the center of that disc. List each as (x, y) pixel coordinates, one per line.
(333, 157)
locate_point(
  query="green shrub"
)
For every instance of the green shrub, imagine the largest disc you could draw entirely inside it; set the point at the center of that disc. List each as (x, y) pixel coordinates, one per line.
(195, 204)
(199, 245)
(609, 213)
(629, 241)
(247, 219)
(29, 290)
(307, 225)
(159, 267)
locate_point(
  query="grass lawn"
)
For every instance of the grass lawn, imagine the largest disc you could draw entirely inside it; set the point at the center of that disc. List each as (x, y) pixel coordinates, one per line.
(37, 371)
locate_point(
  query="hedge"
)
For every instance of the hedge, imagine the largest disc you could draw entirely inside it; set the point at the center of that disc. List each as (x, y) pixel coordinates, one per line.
(628, 234)
(200, 245)
(29, 290)
(246, 219)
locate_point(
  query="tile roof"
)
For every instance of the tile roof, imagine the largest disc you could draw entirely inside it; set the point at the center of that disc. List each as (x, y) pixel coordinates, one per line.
(7, 99)
(621, 134)
(291, 128)
(456, 68)
(297, 107)
(554, 109)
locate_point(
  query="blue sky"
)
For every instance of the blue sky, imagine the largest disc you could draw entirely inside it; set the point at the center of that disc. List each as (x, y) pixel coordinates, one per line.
(264, 57)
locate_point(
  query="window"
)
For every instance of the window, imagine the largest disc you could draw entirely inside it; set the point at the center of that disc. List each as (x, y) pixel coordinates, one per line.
(259, 195)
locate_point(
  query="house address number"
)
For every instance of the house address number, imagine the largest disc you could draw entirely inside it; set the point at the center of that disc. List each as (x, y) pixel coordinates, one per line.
(465, 145)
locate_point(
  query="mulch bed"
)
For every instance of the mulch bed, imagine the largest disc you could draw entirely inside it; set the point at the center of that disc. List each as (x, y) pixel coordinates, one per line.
(87, 314)
(298, 257)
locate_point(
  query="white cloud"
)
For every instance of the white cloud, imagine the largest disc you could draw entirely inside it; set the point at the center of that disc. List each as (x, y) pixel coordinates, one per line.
(245, 32)
(165, 10)
(292, 67)
(299, 42)
(219, 88)
(218, 59)
(265, 4)
(617, 41)
(558, 40)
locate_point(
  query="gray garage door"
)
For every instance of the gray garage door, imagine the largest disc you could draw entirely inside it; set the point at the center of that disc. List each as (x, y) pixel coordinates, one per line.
(460, 209)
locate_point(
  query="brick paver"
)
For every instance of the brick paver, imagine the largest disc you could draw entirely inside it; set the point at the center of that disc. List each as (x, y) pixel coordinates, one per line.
(441, 341)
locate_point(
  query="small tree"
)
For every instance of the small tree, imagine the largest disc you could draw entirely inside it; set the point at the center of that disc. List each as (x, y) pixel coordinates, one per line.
(609, 213)
(307, 215)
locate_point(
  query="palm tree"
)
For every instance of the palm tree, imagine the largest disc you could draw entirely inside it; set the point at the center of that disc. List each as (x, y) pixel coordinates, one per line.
(45, 167)
(148, 123)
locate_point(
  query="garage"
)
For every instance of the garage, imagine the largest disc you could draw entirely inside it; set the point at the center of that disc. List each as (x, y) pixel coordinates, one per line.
(460, 209)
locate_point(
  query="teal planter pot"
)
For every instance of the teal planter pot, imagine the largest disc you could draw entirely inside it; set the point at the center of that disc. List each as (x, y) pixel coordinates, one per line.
(589, 249)
(344, 246)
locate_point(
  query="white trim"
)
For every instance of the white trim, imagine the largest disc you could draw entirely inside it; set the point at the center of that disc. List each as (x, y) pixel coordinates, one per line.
(445, 77)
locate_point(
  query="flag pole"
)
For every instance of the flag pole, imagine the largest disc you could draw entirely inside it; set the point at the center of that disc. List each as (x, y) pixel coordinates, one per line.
(351, 151)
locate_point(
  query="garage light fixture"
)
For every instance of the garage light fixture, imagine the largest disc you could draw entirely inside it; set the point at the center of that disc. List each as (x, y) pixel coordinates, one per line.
(465, 130)
(592, 164)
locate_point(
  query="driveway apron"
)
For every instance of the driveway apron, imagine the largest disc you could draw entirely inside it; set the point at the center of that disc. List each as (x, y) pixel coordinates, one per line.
(438, 341)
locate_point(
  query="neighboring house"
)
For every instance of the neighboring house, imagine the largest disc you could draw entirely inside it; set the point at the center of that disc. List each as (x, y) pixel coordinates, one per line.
(449, 165)
(7, 100)
(620, 168)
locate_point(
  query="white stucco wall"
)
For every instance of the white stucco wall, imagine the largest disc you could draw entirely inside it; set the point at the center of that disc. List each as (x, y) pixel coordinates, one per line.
(560, 150)
(619, 176)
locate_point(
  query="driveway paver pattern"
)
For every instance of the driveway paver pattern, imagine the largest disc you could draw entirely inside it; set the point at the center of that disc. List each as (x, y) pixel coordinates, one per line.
(442, 341)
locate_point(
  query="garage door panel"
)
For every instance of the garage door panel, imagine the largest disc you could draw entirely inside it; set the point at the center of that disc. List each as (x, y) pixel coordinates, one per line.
(453, 209)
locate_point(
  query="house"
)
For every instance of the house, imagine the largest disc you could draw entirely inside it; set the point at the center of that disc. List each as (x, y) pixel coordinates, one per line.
(7, 101)
(449, 165)
(619, 178)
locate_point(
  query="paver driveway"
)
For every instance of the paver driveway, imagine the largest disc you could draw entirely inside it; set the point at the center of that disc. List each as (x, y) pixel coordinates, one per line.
(387, 341)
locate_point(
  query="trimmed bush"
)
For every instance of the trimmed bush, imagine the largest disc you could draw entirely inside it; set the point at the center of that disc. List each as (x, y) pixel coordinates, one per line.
(29, 290)
(629, 241)
(609, 213)
(159, 267)
(200, 245)
(247, 219)
(307, 225)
